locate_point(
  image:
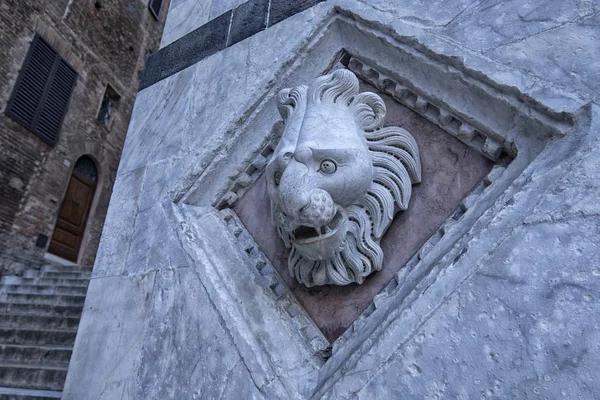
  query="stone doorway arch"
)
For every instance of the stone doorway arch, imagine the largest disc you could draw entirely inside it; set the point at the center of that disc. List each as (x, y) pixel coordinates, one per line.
(69, 230)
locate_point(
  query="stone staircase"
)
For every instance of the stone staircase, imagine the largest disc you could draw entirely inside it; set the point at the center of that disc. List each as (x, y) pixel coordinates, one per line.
(39, 315)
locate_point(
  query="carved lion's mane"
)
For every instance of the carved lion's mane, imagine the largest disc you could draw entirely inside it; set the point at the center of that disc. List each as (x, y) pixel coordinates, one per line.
(396, 165)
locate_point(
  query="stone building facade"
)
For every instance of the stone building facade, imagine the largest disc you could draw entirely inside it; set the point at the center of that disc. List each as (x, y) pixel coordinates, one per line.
(106, 42)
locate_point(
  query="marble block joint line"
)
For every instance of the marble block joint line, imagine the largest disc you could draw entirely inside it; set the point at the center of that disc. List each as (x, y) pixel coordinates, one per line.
(217, 34)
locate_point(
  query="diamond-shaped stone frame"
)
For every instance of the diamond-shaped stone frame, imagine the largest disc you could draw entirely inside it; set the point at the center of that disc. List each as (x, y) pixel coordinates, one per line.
(284, 351)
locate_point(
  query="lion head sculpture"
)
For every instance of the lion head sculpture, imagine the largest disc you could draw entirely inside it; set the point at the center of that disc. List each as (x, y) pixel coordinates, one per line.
(337, 178)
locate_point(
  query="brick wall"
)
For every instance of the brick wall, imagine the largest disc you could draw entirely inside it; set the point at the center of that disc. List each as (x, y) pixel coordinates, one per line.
(106, 41)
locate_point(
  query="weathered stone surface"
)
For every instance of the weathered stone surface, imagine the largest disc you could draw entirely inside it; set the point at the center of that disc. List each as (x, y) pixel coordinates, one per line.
(248, 18)
(566, 54)
(104, 365)
(266, 324)
(282, 9)
(187, 349)
(12, 265)
(263, 60)
(512, 330)
(153, 119)
(189, 112)
(118, 231)
(488, 26)
(184, 16)
(202, 42)
(152, 234)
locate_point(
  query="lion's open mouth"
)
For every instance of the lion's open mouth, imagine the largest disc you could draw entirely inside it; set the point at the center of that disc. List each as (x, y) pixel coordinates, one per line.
(305, 234)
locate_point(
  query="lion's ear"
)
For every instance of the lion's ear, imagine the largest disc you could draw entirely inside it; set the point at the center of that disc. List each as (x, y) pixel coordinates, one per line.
(370, 110)
(289, 99)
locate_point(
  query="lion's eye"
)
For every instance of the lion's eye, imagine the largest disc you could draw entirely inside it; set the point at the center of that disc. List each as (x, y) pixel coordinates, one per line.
(277, 177)
(328, 167)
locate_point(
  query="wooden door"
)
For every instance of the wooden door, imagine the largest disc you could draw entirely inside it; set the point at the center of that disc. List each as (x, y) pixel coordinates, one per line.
(72, 219)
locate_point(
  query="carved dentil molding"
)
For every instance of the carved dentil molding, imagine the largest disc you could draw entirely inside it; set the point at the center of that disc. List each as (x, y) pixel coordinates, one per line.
(337, 178)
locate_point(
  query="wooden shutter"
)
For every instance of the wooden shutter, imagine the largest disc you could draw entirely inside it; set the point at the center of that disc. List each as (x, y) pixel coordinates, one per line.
(40, 98)
(154, 6)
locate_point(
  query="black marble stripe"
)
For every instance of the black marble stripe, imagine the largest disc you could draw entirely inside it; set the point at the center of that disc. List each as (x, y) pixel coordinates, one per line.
(246, 20)
(282, 9)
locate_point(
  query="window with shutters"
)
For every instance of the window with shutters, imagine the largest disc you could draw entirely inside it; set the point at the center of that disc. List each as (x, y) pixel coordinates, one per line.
(41, 96)
(154, 6)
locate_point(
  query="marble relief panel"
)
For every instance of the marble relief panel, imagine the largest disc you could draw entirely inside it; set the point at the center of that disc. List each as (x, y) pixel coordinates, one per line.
(450, 171)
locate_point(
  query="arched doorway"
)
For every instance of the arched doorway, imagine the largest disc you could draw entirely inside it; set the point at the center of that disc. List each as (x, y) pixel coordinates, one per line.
(74, 211)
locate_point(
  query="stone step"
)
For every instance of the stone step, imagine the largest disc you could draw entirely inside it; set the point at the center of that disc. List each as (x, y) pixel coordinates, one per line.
(32, 377)
(65, 268)
(39, 315)
(17, 280)
(51, 299)
(44, 289)
(41, 309)
(37, 321)
(56, 275)
(60, 337)
(28, 394)
(57, 356)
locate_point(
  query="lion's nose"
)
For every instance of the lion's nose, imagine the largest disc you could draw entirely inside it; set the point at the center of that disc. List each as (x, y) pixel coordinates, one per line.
(319, 209)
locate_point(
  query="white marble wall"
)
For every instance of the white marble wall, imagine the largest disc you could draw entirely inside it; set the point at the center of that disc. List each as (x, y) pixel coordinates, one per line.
(185, 16)
(556, 41)
(515, 316)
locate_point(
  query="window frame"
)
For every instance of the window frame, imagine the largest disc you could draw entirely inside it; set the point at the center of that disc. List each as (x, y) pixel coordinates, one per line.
(114, 101)
(155, 12)
(49, 79)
